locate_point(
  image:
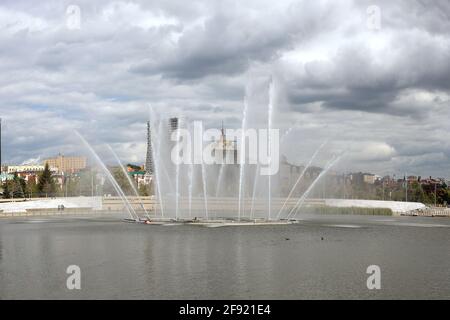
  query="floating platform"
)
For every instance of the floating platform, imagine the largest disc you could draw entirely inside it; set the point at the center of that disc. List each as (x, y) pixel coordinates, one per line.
(216, 223)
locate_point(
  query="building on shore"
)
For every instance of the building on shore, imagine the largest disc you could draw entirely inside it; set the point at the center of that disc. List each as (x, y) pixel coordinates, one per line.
(361, 178)
(174, 124)
(140, 177)
(66, 165)
(225, 151)
(25, 168)
(4, 176)
(28, 172)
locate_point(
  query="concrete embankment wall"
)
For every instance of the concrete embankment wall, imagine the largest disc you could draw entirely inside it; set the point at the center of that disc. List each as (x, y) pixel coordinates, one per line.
(28, 205)
(397, 207)
(216, 206)
(83, 205)
(47, 212)
(362, 211)
(429, 212)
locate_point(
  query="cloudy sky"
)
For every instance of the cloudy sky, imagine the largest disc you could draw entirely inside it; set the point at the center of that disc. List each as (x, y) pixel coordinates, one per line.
(373, 77)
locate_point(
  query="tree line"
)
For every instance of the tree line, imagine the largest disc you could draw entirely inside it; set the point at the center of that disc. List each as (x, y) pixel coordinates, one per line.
(19, 188)
(86, 183)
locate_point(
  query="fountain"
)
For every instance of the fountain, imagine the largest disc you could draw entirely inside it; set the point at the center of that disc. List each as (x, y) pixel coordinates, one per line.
(190, 186)
(205, 193)
(270, 142)
(128, 207)
(219, 179)
(255, 184)
(156, 174)
(242, 156)
(133, 187)
(300, 178)
(177, 180)
(220, 193)
(302, 199)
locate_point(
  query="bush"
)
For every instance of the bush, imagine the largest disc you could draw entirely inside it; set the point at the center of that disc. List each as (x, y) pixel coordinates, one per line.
(347, 211)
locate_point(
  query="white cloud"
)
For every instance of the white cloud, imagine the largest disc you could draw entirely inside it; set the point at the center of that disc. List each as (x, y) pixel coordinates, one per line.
(374, 151)
(383, 95)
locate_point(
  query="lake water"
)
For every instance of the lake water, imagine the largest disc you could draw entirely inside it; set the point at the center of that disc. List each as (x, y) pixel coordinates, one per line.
(323, 257)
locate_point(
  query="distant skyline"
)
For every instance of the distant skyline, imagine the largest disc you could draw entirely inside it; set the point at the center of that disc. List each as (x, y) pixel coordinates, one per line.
(378, 89)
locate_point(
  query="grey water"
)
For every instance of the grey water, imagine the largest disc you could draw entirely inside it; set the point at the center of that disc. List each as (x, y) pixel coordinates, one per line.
(322, 257)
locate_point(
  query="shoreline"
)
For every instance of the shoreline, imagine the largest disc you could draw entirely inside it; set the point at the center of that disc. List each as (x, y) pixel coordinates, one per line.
(218, 207)
(84, 213)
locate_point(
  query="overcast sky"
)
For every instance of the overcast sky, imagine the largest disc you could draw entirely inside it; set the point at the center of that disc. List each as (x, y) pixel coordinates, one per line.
(379, 91)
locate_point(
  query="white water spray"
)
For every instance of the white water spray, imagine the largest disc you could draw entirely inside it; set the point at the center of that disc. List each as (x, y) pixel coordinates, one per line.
(301, 177)
(130, 182)
(269, 127)
(177, 180)
(110, 177)
(205, 192)
(219, 179)
(255, 185)
(242, 154)
(156, 169)
(302, 199)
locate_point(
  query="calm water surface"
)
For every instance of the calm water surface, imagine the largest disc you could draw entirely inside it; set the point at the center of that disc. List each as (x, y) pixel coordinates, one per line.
(128, 261)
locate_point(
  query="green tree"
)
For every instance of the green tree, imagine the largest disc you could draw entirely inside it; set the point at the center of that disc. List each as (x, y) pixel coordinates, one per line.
(23, 186)
(32, 188)
(134, 167)
(144, 190)
(17, 187)
(122, 181)
(6, 191)
(46, 185)
(71, 186)
(87, 183)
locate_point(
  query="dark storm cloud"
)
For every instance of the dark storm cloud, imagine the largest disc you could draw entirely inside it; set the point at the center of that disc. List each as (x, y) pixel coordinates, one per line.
(359, 79)
(231, 38)
(384, 94)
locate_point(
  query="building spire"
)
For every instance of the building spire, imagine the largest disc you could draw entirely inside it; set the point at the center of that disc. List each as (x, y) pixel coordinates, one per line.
(223, 133)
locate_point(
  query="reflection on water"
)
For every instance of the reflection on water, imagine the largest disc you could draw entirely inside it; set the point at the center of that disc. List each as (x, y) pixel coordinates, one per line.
(322, 257)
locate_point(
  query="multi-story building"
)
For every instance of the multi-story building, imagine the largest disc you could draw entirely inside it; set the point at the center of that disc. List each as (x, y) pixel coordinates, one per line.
(141, 177)
(360, 178)
(28, 172)
(67, 164)
(288, 175)
(5, 176)
(225, 151)
(369, 178)
(25, 168)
